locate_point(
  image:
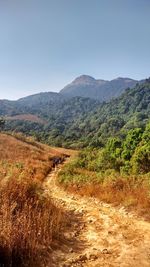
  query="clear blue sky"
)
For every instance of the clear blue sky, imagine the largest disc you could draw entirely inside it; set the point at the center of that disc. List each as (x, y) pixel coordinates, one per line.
(45, 44)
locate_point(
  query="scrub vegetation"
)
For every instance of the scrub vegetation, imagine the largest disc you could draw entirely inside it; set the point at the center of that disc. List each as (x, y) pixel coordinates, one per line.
(118, 173)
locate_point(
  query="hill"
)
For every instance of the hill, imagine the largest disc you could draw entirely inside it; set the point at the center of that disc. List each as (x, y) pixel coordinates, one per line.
(49, 122)
(94, 124)
(27, 155)
(87, 86)
(77, 121)
(48, 103)
(80, 122)
(42, 103)
(130, 110)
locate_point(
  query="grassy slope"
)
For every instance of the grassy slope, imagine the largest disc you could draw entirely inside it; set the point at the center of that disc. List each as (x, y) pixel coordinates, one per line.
(29, 221)
(32, 158)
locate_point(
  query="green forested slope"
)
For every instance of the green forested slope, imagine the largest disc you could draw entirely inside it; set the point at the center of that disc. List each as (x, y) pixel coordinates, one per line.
(79, 122)
(60, 119)
(129, 111)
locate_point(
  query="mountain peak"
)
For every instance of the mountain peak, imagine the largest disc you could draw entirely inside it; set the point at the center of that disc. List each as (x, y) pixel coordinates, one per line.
(102, 90)
(126, 79)
(84, 79)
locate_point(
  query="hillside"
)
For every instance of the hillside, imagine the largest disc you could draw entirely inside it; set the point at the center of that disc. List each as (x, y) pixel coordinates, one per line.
(42, 104)
(27, 155)
(77, 121)
(55, 121)
(130, 110)
(87, 86)
(65, 221)
(84, 86)
(44, 224)
(30, 221)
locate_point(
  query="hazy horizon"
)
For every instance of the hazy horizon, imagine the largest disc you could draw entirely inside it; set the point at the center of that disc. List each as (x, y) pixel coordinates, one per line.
(47, 44)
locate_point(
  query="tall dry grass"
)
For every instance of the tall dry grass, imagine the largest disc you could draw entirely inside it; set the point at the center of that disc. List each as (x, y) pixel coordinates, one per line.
(35, 159)
(29, 221)
(133, 192)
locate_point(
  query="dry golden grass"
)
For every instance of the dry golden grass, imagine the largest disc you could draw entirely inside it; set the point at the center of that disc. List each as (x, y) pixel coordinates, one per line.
(29, 221)
(35, 159)
(133, 192)
(28, 224)
(133, 197)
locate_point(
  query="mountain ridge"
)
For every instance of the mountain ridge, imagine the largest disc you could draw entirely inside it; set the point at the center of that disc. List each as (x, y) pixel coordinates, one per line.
(102, 90)
(87, 86)
(79, 121)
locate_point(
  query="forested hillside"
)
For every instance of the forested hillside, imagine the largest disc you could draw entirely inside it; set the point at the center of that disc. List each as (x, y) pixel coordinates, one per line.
(129, 111)
(78, 122)
(57, 121)
(42, 104)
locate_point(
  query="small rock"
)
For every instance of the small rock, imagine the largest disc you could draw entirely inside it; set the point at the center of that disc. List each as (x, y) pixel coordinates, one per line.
(93, 257)
(82, 257)
(81, 211)
(106, 251)
(76, 234)
(71, 250)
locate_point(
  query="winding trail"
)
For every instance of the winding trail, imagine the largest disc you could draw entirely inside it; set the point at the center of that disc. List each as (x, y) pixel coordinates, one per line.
(98, 234)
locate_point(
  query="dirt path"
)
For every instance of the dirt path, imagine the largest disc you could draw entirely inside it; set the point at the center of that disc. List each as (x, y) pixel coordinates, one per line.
(98, 234)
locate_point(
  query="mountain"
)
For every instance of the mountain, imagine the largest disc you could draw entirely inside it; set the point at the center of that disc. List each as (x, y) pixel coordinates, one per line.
(42, 104)
(87, 86)
(83, 86)
(117, 117)
(45, 114)
(78, 121)
(128, 111)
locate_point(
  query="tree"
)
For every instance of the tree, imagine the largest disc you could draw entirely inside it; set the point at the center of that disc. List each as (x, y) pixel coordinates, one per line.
(141, 157)
(113, 151)
(2, 123)
(133, 138)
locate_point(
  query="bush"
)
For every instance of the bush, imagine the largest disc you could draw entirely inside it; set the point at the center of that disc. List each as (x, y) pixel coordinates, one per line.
(141, 159)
